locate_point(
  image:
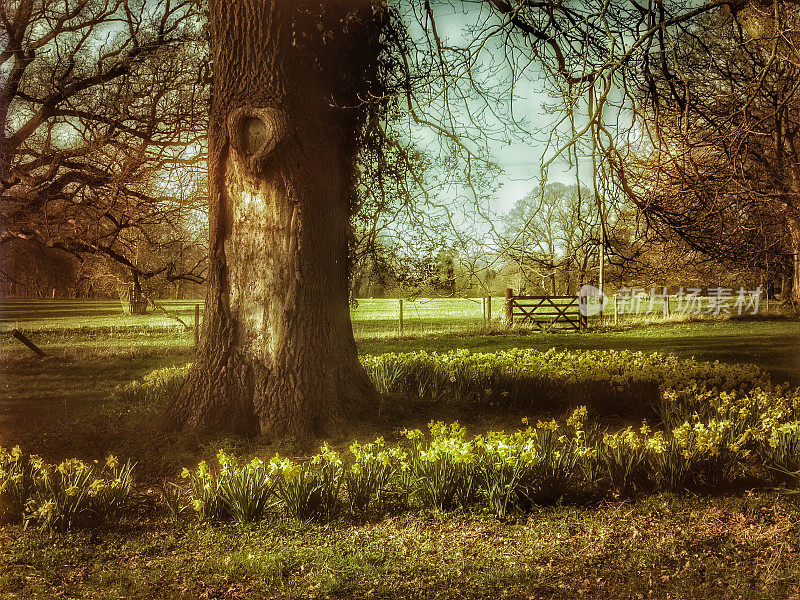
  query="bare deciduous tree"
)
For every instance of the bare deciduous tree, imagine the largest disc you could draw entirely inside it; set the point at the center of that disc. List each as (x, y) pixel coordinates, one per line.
(552, 238)
(720, 166)
(103, 123)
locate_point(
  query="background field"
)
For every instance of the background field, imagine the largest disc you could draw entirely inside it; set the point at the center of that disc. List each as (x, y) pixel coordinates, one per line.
(88, 327)
(95, 349)
(371, 317)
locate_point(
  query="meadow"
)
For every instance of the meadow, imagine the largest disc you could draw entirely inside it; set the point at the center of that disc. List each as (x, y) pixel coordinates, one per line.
(699, 504)
(92, 341)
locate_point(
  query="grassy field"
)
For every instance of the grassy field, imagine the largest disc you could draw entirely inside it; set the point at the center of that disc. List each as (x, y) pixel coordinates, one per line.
(371, 317)
(94, 349)
(740, 544)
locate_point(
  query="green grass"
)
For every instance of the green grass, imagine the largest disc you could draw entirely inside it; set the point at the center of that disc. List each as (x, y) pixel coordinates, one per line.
(730, 546)
(371, 317)
(95, 349)
(377, 318)
(663, 546)
(53, 315)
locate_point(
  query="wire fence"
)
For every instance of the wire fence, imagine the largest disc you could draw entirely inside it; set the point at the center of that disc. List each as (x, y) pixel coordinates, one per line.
(371, 317)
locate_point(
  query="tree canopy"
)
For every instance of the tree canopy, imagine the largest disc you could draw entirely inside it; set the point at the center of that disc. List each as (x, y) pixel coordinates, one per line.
(105, 108)
(104, 112)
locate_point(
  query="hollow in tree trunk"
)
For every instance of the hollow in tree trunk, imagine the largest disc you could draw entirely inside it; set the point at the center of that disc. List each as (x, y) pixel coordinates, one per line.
(277, 354)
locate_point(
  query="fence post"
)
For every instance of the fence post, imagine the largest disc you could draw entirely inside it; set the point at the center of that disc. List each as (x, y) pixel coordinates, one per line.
(401, 316)
(583, 312)
(509, 307)
(196, 325)
(601, 299)
(24, 339)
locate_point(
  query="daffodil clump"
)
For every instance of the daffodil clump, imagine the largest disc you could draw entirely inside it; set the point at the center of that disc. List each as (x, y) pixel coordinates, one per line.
(532, 465)
(518, 377)
(56, 497)
(309, 489)
(624, 455)
(734, 432)
(706, 424)
(697, 424)
(369, 473)
(243, 492)
(329, 468)
(16, 483)
(711, 419)
(246, 490)
(445, 468)
(441, 472)
(204, 493)
(780, 450)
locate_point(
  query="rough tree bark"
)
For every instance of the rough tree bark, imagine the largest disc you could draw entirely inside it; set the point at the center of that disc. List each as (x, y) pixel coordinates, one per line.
(793, 223)
(277, 354)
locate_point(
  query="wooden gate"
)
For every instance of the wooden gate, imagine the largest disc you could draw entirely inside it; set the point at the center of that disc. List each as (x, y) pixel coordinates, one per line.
(547, 313)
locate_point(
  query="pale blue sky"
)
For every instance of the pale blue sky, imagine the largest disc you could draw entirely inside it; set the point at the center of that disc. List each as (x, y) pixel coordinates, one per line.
(520, 154)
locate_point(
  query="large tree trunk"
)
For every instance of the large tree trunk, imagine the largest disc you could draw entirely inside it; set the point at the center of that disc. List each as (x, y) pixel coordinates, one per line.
(277, 354)
(793, 223)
